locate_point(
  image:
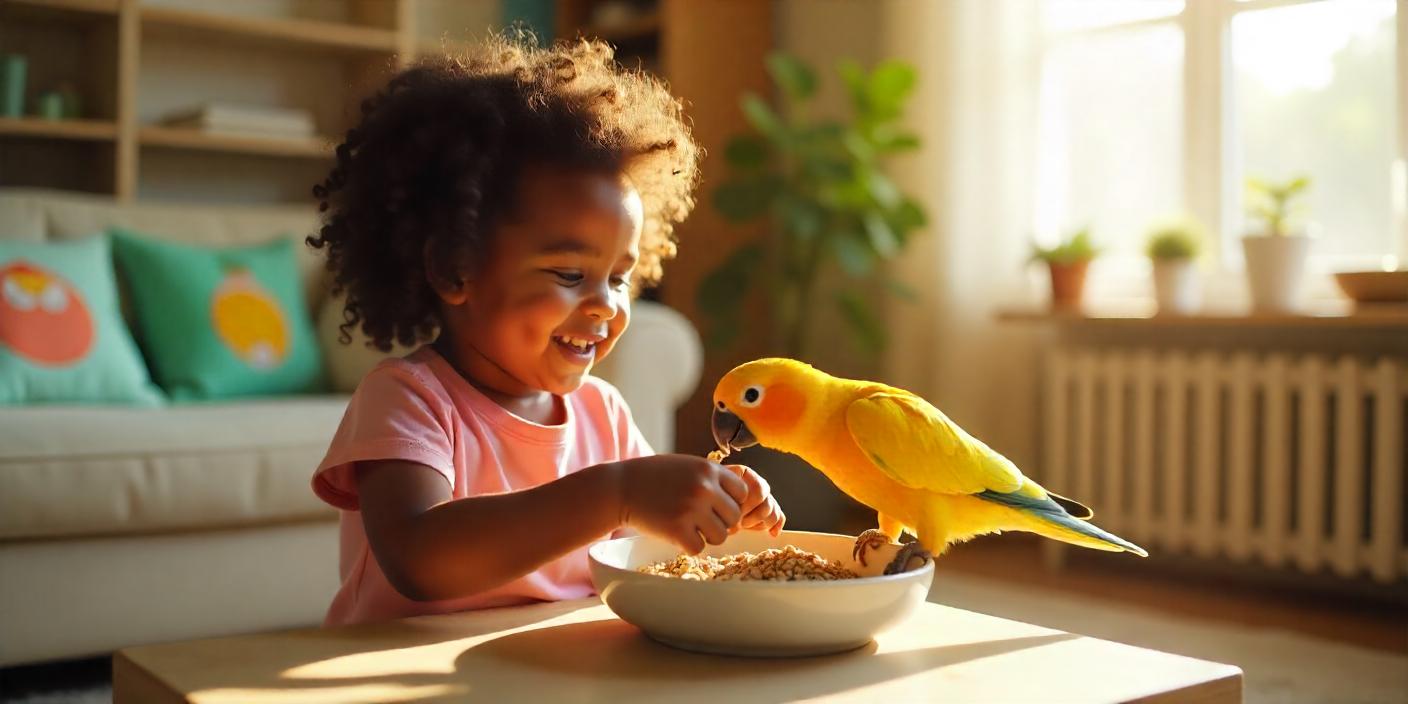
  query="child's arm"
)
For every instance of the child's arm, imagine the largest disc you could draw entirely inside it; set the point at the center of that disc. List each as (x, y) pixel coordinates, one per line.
(432, 548)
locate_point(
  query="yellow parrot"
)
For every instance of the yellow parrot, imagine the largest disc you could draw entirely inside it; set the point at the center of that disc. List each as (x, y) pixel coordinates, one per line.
(896, 453)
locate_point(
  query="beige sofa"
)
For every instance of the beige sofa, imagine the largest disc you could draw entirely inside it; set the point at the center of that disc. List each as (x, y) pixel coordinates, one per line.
(121, 526)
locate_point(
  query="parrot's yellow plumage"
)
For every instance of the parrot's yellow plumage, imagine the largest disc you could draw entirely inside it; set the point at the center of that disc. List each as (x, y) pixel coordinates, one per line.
(893, 451)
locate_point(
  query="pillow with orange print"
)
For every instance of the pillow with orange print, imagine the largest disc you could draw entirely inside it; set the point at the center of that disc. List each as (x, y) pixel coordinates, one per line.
(220, 322)
(62, 337)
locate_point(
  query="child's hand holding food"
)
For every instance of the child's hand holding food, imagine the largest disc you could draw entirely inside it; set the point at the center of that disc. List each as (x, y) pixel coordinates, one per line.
(684, 499)
(760, 509)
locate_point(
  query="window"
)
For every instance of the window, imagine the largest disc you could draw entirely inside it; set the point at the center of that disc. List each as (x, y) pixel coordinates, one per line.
(1150, 109)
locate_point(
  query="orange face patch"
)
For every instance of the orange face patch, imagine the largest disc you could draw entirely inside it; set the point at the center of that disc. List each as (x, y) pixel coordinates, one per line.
(42, 316)
(782, 406)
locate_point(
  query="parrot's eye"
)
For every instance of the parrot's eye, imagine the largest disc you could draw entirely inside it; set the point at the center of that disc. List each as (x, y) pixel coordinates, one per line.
(752, 396)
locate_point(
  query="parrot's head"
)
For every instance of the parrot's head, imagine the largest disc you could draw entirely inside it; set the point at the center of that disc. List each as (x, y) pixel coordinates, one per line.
(763, 402)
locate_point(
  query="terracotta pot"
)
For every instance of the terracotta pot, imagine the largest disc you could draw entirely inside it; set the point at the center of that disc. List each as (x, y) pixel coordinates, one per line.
(1067, 283)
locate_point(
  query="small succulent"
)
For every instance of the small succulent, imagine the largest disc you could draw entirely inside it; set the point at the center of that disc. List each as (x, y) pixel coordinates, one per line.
(1076, 248)
(1271, 201)
(1179, 240)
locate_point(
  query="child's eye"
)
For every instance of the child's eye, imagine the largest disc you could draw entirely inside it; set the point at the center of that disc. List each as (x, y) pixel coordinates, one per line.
(621, 281)
(567, 278)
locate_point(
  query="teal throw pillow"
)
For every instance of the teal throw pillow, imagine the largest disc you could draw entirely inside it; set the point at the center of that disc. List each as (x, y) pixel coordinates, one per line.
(221, 322)
(62, 337)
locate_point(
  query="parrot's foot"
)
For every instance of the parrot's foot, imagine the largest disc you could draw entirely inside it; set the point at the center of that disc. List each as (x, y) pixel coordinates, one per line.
(910, 552)
(869, 540)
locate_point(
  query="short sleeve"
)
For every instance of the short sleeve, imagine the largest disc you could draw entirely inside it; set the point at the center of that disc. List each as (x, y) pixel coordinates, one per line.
(395, 414)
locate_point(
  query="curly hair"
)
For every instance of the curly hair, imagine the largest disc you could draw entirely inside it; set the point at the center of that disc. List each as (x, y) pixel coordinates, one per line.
(433, 168)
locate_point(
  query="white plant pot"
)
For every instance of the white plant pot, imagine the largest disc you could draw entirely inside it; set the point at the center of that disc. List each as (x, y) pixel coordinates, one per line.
(1276, 270)
(1176, 286)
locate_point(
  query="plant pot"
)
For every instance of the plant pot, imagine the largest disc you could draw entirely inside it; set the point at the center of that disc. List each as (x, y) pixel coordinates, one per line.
(1275, 270)
(1067, 283)
(1176, 286)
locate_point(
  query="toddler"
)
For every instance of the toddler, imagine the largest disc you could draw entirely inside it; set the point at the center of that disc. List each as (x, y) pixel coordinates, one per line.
(499, 210)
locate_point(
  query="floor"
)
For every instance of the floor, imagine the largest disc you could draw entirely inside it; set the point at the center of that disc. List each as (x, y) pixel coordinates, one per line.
(1372, 617)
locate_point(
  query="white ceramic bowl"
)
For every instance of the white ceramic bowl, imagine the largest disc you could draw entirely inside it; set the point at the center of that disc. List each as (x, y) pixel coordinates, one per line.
(758, 618)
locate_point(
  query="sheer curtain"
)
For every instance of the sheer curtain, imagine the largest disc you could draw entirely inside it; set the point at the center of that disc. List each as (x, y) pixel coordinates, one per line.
(975, 109)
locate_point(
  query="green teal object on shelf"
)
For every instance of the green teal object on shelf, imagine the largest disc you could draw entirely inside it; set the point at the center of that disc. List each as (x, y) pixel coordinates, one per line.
(13, 69)
(536, 15)
(49, 106)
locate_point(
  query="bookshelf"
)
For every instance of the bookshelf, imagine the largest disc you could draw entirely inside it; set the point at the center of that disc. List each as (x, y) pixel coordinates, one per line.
(133, 61)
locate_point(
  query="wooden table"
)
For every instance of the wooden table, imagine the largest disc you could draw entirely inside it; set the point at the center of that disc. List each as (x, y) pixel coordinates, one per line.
(579, 651)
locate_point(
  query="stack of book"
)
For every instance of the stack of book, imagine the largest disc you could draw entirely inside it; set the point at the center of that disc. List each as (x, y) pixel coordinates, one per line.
(244, 120)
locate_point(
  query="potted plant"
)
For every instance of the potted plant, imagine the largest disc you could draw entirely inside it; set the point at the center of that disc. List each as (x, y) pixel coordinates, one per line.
(1067, 262)
(821, 186)
(1172, 248)
(1276, 253)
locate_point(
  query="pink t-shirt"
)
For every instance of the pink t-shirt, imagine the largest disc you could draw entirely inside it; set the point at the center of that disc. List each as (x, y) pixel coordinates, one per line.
(421, 410)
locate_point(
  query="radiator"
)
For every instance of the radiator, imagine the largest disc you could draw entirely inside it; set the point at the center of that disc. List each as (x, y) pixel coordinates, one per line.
(1294, 462)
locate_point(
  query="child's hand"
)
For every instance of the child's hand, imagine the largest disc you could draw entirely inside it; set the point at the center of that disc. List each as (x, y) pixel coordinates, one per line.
(684, 499)
(760, 509)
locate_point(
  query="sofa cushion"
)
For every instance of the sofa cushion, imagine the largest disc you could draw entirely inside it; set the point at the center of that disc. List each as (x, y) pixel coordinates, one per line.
(91, 471)
(62, 339)
(221, 322)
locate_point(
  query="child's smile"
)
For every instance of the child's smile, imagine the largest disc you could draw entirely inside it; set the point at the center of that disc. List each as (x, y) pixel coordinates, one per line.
(554, 294)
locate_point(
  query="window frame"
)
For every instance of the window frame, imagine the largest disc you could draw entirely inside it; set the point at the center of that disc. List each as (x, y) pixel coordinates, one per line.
(1211, 180)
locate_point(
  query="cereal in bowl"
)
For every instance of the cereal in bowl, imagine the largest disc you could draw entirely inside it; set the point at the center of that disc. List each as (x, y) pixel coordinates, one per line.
(787, 564)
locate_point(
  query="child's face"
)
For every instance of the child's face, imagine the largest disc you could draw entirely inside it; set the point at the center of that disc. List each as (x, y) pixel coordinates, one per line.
(554, 294)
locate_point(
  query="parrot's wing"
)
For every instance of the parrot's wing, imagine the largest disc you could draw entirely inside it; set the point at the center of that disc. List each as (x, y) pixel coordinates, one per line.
(918, 446)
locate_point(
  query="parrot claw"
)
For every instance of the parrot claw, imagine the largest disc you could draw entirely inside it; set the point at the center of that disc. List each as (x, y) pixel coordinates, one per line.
(868, 540)
(907, 553)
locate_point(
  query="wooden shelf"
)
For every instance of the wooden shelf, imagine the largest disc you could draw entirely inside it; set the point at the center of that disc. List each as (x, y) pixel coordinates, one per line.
(80, 10)
(179, 138)
(88, 130)
(287, 33)
(1325, 316)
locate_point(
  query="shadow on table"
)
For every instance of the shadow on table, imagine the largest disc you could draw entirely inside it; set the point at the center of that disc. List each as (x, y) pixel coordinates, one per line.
(610, 657)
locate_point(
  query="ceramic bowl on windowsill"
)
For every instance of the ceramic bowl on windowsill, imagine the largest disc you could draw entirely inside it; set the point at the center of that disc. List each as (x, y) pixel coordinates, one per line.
(1374, 286)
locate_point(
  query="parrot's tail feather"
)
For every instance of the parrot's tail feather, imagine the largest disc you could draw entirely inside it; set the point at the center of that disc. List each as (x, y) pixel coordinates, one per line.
(1068, 529)
(1046, 516)
(1073, 507)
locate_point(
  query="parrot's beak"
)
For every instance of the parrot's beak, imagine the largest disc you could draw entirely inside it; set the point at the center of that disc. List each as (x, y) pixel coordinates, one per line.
(729, 431)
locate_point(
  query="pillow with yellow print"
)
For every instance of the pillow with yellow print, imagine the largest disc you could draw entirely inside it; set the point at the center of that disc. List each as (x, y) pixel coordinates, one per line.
(62, 338)
(219, 323)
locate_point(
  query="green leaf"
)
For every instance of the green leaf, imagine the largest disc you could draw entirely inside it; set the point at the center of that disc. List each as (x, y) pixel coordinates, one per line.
(797, 79)
(858, 146)
(883, 190)
(892, 81)
(747, 152)
(868, 329)
(744, 199)
(855, 258)
(762, 117)
(882, 238)
(721, 293)
(908, 216)
(889, 141)
(802, 217)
